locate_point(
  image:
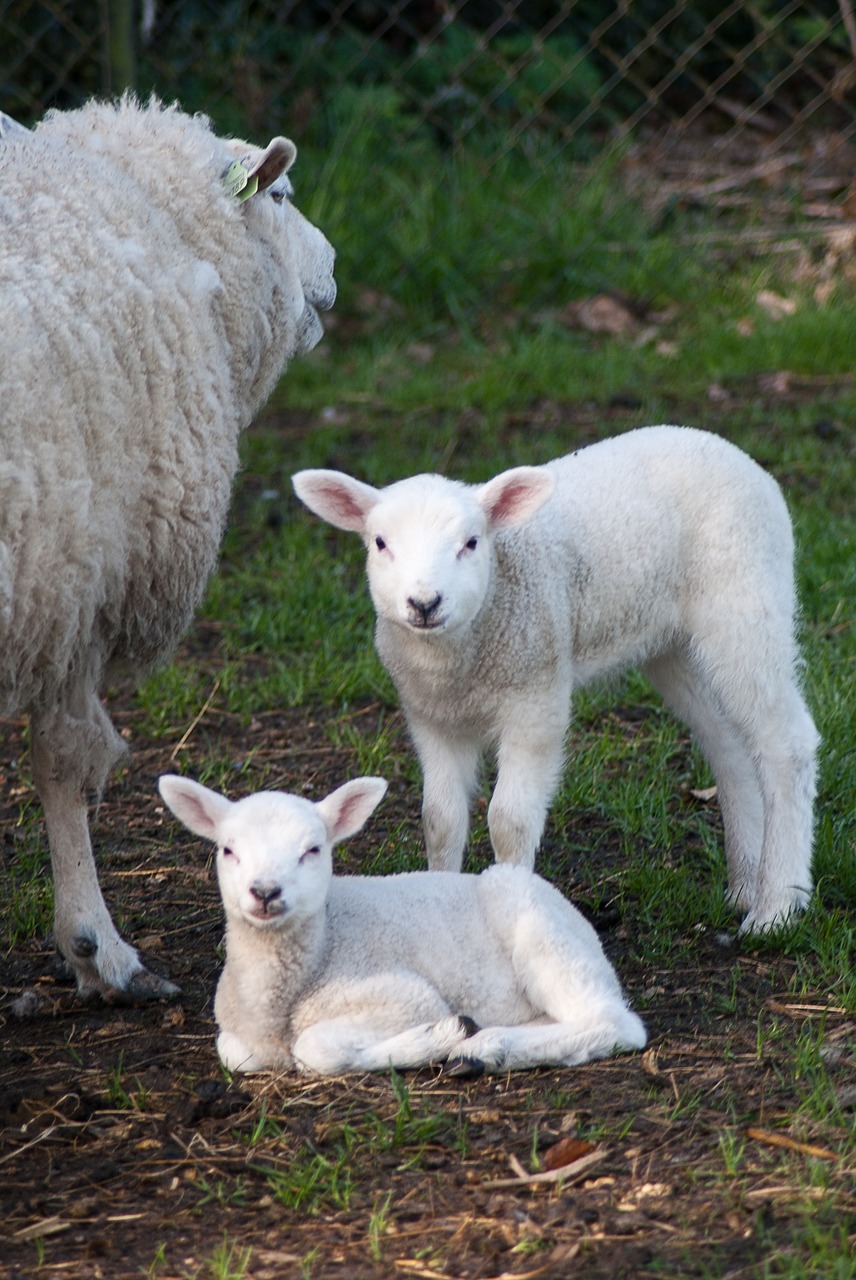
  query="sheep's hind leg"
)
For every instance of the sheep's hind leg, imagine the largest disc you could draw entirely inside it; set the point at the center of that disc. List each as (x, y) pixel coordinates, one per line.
(71, 755)
(761, 743)
(785, 746)
(727, 752)
(552, 1044)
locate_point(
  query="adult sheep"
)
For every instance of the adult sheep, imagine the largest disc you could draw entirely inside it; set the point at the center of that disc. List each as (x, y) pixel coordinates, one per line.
(155, 281)
(665, 548)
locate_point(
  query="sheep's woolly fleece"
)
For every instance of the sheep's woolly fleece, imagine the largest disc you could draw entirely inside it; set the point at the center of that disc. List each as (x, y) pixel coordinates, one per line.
(144, 326)
(148, 314)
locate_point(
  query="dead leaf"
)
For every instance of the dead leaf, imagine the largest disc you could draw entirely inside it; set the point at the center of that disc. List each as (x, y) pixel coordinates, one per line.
(649, 1062)
(705, 794)
(600, 314)
(565, 1151)
(775, 306)
(645, 1191)
(778, 383)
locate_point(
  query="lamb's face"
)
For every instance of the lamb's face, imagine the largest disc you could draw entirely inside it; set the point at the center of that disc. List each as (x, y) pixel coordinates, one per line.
(273, 860)
(429, 555)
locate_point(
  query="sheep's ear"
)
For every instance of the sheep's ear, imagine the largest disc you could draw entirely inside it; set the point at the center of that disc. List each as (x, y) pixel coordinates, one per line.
(336, 498)
(276, 159)
(10, 128)
(512, 497)
(347, 809)
(201, 810)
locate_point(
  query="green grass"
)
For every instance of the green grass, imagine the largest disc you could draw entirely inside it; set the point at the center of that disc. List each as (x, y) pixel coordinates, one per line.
(317, 1178)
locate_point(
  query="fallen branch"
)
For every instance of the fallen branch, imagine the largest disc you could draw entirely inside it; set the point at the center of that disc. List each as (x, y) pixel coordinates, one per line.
(791, 1144)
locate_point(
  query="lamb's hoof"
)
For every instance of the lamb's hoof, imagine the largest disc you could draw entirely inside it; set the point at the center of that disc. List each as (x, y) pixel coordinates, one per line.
(467, 1025)
(463, 1067)
(142, 985)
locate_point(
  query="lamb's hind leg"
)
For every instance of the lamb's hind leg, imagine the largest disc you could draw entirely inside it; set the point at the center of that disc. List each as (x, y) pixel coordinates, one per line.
(761, 743)
(785, 744)
(73, 749)
(737, 782)
(580, 1011)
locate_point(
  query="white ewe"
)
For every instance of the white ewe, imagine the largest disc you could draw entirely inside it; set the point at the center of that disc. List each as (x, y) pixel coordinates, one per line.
(330, 974)
(665, 548)
(149, 307)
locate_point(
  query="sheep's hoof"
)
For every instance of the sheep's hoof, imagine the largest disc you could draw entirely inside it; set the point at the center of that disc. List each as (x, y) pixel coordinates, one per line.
(142, 985)
(462, 1067)
(467, 1025)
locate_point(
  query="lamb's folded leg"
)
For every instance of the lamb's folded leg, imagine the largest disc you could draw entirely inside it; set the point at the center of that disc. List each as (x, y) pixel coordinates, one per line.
(72, 755)
(344, 1044)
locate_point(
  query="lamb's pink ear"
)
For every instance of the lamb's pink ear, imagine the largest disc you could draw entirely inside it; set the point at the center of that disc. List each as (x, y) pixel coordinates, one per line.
(348, 808)
(512, 497)
(276, 159)
(336, 498)
(201, 810)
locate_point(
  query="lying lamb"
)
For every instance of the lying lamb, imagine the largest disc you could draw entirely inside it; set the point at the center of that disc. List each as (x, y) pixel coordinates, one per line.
(359, 973)
(155, 280)
(665, 548)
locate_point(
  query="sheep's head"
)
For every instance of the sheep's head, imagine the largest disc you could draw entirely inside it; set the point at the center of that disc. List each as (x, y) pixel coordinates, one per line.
(258, 179)
(429, 540)
(274, 861)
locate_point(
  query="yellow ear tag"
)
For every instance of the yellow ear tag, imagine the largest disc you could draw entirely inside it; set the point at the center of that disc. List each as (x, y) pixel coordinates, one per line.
(239, 183)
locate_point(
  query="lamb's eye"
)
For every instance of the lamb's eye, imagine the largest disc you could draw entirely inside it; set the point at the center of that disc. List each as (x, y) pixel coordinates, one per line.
(227, 852)
(308, 853)
(472, 543)
(277, 196)
(379, 543)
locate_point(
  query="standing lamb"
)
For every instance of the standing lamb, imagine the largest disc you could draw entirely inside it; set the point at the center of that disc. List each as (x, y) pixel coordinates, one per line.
(330, 974)
(667, 549)
(155, 281)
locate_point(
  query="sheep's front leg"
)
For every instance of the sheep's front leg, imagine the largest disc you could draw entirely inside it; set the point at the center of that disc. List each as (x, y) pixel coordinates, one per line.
(529, 763)
(72, 754)
(449, 772)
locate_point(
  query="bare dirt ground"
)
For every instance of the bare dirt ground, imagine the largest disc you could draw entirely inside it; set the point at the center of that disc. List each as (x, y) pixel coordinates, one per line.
(125, 1152)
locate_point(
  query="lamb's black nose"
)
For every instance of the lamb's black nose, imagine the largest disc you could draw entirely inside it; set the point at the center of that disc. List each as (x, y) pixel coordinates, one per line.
(265, 893)
(425, 608)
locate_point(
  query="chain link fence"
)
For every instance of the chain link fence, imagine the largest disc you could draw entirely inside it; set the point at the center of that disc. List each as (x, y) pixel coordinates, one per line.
(711, 101)
(576, 70)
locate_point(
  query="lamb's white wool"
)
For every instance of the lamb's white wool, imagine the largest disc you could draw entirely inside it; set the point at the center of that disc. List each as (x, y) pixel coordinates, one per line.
(330, 974)
(667, 549)
(148, 313)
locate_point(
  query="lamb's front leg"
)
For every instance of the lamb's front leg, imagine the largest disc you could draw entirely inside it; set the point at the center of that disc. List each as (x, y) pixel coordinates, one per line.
(529, 763)
(72, 754)
(339, 1045)
(449, 772)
